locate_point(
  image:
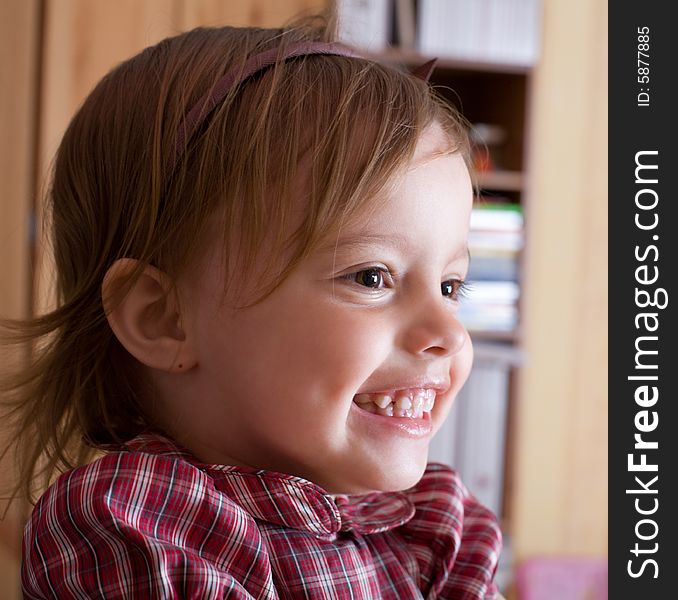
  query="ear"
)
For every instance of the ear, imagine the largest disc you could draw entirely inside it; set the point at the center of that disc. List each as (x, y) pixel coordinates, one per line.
(147, 318)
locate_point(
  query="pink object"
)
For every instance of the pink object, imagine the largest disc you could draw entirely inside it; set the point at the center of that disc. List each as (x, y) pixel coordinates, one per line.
(563, 578)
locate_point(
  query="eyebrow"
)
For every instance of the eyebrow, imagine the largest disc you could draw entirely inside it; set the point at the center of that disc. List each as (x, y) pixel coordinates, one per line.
(365, 240)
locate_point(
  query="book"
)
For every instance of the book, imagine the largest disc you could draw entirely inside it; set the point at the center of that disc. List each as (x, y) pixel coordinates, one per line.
(497, 217)
(493, 266)
(490, 306)
(489, 317)
(501, 31)
(365, 23)
(495, 241)
(406, 26)
(485, 240)
(494, 292)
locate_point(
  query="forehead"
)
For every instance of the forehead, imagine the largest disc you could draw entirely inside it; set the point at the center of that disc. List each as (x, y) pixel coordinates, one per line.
(434, 143)
(435, 168)
(422, 213)
(426, 211)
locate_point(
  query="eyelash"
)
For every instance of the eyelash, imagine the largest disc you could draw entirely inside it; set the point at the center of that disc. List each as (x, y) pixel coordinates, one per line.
(459, 287)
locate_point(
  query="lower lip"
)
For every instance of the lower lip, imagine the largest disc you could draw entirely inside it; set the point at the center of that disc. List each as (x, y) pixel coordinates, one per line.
(404, 426)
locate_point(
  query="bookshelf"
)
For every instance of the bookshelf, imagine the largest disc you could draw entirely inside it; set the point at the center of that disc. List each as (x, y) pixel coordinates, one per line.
(507, 181)
(498, 95)
(563, 394)
(555, 489)
(493, 94)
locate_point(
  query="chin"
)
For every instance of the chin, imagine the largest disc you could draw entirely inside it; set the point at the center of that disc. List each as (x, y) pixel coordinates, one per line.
(387, 479)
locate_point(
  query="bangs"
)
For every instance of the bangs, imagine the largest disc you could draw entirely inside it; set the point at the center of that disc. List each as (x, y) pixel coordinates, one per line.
(307, 145)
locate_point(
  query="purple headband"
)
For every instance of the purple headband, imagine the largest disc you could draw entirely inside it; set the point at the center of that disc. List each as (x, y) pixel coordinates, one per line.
(216, 95)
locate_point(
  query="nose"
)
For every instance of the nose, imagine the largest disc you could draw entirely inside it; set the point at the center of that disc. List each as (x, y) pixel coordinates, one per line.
(434, 330)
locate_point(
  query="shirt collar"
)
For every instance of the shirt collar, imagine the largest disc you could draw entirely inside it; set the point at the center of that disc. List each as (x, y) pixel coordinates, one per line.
(288, 500)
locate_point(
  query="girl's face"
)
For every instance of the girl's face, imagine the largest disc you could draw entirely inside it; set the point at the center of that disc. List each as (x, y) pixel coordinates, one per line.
(292, 384)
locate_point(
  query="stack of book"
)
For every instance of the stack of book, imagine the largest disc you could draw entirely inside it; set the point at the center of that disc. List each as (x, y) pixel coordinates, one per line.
(495, 241)
(365, 23)
(500, 31)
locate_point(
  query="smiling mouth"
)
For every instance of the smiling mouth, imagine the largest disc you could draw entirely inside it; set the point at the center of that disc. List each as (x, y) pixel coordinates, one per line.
(412, 403)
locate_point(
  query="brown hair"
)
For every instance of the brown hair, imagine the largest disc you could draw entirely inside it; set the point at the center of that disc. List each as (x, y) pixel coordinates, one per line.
(116, 192)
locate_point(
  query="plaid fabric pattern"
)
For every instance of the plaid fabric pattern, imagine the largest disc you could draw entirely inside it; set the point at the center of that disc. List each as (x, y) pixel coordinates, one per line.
(149, 521)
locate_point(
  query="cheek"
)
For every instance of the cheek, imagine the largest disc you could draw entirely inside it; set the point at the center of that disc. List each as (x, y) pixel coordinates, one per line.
(327, 348)
(459, 372)
(462, 363)
(342, 346)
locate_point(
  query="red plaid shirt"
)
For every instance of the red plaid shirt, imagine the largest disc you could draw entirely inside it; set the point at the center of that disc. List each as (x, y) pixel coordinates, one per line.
(150, 521)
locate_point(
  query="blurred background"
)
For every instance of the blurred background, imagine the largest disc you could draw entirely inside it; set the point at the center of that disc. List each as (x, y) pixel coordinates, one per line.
(529, 431)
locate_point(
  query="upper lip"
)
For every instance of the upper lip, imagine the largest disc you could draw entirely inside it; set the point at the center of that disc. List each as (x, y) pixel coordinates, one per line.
(440, 384)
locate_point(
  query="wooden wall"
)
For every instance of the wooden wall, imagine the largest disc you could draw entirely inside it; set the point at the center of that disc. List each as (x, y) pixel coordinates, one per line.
(560, 494)
(55, 50)
(84, 39)
(19, 42)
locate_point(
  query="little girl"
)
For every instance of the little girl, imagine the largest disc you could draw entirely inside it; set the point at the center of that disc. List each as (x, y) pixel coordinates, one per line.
(261, 241)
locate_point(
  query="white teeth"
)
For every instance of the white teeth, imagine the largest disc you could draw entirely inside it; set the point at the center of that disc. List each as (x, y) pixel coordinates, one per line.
(386, 411)
(411, 403)
(382, 400)
(403, 407)
(429, 400)
(403, 403)
(418, 400)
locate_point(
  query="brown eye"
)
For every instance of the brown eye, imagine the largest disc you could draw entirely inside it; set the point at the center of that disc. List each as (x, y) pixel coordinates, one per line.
(453, 288)
(372, 278)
